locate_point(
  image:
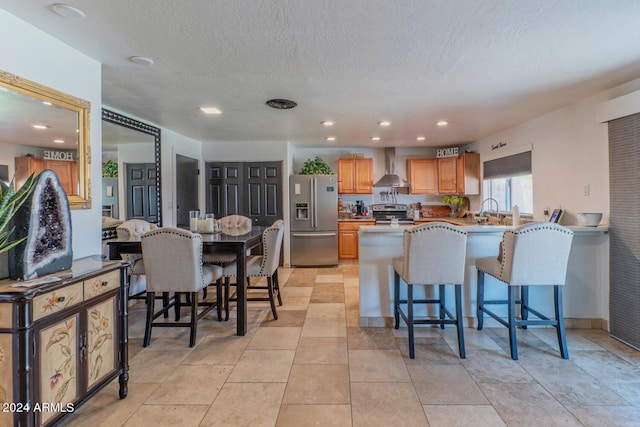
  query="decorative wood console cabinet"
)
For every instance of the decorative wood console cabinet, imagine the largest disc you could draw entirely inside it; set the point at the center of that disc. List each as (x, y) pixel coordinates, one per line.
(62, 341)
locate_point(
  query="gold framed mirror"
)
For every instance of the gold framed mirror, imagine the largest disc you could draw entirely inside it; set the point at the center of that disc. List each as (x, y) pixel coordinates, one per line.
(43, 128)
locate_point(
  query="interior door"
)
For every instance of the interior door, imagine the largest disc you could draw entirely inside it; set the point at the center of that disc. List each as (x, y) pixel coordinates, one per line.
(263, 195)
(140, 183)
(186, 189)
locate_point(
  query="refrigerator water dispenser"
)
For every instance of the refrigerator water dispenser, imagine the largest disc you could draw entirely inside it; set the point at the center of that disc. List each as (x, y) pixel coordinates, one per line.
(302, 211)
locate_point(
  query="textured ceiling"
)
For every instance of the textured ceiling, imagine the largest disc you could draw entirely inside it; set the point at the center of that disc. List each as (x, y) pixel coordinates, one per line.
(483, 65)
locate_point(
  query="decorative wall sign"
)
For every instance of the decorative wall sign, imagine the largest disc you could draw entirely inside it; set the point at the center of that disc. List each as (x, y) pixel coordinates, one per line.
(58, 155)
(499, 145)
(447, 152)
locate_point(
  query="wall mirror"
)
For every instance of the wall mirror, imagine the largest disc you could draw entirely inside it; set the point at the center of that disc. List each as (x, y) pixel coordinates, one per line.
(41, 128)
(134, 192)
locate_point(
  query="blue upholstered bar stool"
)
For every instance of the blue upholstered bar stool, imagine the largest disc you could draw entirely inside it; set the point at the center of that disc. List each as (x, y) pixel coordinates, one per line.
(535, 254)
(434, 254)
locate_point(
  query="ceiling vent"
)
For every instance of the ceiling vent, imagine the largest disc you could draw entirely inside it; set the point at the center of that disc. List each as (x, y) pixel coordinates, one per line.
(281, 104)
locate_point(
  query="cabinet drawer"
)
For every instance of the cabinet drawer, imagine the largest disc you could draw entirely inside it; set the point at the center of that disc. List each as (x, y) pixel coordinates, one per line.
(100, 284)
(353, 225)
(55, 301)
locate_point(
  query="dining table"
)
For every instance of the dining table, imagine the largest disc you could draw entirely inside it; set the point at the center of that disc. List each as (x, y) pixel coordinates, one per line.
(235, 240)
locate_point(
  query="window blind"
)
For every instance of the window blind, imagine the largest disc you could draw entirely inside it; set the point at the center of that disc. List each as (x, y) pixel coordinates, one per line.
(504, 167)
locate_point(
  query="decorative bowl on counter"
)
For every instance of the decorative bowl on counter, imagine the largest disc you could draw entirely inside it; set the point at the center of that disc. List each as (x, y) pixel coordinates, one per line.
(589, 219)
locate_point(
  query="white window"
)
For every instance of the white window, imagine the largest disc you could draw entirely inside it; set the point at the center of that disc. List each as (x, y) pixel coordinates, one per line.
(509, 181)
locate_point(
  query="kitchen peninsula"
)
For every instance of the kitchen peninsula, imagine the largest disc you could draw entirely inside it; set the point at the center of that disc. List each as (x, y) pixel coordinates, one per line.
(586, 298)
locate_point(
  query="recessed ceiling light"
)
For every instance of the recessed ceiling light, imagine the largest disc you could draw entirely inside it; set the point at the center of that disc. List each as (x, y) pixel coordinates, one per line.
(327, 123)
(59, 141)
(141, 60)
(330, 138)
(39, 126)
(442, 123)
(47, 103)
(67, 11)
(385, 123)
(210, 110)
(420, 138)
(375, 138)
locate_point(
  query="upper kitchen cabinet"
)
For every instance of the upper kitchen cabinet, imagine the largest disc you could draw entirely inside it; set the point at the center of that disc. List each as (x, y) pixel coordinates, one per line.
(468, 173)
(355, 176)
(447, 176)
(423, 176)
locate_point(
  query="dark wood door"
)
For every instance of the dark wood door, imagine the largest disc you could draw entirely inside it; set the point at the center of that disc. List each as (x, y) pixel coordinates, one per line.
(224, 188)
(242, 188)
(263, 195)
(140, 183)
(187, 172)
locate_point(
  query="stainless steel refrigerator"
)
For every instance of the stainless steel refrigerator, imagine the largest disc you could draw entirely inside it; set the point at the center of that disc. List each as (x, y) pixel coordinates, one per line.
(314, 220)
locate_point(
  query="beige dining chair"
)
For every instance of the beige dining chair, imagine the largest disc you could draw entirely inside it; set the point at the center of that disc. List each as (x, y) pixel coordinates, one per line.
(265, 265)
(173, 264)
(534, 254)
(434, 255)
(129, 229)
(234, 225)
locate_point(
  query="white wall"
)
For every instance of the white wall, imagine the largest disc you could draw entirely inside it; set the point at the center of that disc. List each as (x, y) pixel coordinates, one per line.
(8, 153)
(172, 144)
(34, 55)
(570, 151)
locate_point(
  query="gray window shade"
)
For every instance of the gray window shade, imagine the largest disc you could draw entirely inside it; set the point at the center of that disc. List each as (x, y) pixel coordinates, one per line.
(516, 165)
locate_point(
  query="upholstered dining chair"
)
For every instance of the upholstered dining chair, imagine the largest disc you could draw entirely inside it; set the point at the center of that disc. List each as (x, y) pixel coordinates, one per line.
(231, 224)
(127, 230)
(173, 264)
(434, 255)
(265, 265)
(534, 254)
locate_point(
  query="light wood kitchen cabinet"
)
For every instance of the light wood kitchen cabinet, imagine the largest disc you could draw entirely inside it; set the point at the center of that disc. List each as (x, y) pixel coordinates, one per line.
(447, 175)
(355, 176)
(348, 238)
(423, 176)
(468, 173)
(62, 341)
(67, 172)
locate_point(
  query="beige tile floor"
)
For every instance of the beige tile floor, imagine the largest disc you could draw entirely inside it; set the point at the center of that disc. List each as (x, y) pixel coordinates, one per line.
(315, 366)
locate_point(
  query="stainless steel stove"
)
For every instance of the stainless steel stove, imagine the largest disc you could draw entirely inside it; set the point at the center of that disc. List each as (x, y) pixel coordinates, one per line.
(383, 213)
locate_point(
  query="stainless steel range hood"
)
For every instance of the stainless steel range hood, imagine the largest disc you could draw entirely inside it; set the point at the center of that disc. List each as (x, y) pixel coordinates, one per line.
(390, 179)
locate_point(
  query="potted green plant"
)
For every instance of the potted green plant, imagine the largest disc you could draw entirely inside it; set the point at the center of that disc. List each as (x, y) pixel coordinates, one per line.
(454, 203)
(10, 202)
(110, 169)
(316, 166)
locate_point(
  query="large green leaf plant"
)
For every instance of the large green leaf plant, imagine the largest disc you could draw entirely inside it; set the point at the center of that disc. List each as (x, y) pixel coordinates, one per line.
(10, 202)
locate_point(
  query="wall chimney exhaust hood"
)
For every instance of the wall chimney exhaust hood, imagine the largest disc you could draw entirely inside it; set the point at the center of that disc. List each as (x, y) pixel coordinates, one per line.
(390, 179)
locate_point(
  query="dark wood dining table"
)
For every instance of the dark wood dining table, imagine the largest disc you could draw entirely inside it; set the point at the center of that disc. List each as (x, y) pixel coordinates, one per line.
(225, 241)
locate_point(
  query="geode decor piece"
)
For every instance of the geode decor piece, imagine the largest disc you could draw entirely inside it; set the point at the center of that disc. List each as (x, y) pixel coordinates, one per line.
(45, 219)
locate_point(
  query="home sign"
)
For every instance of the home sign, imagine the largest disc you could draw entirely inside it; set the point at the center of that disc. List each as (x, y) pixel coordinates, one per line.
(447, 152)
(58, 155)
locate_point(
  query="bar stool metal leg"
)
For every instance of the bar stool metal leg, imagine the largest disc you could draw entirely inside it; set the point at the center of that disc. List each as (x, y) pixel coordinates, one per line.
(441, 297)
(459, 321)
(412, 353)
(557, 299)
(512, 322)
(524, 304)
(480, 299)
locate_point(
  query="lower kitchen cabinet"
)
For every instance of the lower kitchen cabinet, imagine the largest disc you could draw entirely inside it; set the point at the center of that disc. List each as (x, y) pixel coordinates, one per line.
(62, 341)
(348, 238)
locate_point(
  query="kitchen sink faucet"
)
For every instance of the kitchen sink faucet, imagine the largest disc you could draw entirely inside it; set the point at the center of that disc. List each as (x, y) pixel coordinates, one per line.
(497, 207)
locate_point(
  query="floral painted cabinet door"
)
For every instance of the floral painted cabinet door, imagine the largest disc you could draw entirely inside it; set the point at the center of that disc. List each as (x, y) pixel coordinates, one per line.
(58, 363)
(101, 338)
